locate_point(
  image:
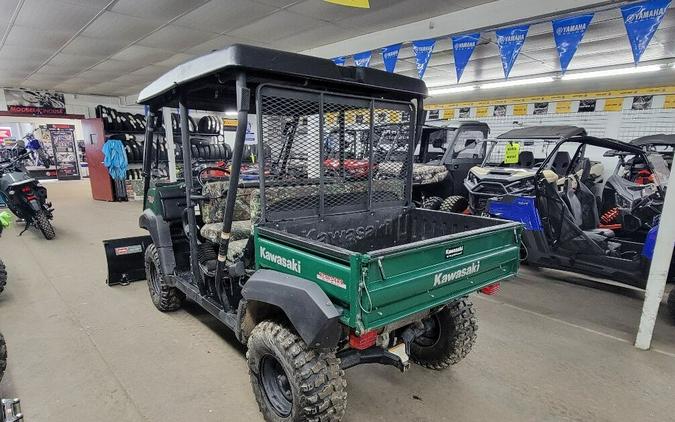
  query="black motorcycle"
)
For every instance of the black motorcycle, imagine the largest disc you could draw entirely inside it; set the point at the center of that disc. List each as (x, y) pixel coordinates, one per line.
(24, 195)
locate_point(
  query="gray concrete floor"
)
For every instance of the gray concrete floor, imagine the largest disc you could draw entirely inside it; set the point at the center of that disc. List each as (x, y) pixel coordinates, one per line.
(547, 350)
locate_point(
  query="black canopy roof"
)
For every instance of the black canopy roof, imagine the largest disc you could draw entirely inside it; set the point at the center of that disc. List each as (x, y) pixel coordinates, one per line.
(543, 132)
(660, 139)
(209, 80)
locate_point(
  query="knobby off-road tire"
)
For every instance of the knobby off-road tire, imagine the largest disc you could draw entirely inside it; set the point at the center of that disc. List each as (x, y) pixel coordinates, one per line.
(455, 203)
(671, 303)
(292, 382)
(164, 297)
(432, 203)
(3, 356)
(45, 226)
(450, 336)
(3, 276)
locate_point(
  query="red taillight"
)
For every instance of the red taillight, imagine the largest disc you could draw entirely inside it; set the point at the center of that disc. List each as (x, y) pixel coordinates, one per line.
(492, 289)
(363, 341)
(25, 189)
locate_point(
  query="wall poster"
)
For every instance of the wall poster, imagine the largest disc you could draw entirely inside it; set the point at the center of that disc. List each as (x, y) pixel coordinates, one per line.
(65, 153)
(24, 101)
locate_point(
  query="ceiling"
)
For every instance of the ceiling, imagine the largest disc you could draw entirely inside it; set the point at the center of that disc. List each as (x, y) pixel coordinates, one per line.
(604, 45)
(116, 47)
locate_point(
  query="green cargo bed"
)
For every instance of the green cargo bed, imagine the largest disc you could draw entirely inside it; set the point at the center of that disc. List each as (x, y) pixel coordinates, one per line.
(385, 265)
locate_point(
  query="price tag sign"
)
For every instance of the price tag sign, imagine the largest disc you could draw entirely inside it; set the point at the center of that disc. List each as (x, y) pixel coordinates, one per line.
(511, 153)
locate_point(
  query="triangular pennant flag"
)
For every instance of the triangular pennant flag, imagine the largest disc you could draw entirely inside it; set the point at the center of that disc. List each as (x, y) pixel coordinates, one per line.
(362, 59)
(422, 50)
(340, 61)
(462, 48)
(642, 20)
(510, 41)
(390, 56)
(568, 33)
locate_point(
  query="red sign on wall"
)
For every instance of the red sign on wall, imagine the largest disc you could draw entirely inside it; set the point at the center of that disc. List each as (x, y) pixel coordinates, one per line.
(5, 132)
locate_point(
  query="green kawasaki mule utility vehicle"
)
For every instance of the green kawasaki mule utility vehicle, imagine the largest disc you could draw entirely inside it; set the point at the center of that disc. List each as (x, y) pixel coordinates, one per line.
(316, 268)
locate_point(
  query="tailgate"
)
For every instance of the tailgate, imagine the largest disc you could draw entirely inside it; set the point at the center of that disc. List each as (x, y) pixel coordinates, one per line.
(427, 274)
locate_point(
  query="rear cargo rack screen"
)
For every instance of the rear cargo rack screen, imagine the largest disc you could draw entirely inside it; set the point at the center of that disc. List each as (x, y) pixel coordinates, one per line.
(325, 153)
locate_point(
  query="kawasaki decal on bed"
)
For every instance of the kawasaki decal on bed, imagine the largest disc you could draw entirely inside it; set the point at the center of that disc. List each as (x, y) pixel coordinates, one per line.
(446, 277)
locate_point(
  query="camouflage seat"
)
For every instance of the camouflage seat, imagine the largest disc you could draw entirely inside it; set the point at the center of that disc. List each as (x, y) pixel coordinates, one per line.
(214, 207)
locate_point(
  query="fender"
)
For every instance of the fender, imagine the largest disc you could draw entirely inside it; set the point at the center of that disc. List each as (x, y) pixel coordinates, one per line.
(161, 237)
(308, 308)
(34, 205)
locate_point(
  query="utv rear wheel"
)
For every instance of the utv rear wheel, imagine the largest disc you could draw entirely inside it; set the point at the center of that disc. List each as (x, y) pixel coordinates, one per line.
(432, 203)
(3, 276)
(42, 222)
(3, 356)
(164, 297)
(671, 303)
(291, 381)
(455, 203)
(450, 335)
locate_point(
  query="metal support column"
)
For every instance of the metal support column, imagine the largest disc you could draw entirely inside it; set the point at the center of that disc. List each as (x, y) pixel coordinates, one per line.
(170, 143)
(658, 272)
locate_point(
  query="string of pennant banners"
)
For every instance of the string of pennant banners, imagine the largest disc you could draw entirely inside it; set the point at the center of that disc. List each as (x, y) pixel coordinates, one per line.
(640, 19)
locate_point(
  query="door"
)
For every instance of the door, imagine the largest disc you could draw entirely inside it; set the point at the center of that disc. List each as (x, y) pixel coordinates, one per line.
(99, 178)
(468, 150)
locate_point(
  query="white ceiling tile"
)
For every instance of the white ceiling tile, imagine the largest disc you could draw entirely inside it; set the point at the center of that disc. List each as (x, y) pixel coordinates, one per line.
(116, 26)
(325, 34)
(176, 59)
(176, 38)
(96, 76)
(117, 66)
(156, 9)
(279, 25)
(217, 43)
(73, 61)
(278, 3)
(331, 12)
(222, 16)
(29, 36)
(8, 7)
(94, 47)
(54, 14)
(142, 55)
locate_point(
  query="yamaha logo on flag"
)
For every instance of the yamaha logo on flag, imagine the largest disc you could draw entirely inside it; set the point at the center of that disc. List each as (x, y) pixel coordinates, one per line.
(568, 33)
(462, 49)
(510, 42)
(641, 21)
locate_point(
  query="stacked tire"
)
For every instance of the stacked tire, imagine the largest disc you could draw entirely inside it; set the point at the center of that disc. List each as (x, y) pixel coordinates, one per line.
(210, 125)
(119, 121)
(671, 303)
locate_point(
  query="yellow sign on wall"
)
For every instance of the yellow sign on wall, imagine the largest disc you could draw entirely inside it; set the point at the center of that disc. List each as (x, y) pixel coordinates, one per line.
(482, 112)
(563, 107)
(230, 122)
(363, 4)
(614, 104)
(670, 101)
(520, 109)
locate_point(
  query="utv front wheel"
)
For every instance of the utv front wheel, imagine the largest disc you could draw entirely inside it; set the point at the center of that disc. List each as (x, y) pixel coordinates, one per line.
(449, 337)
(42, 223)
(3, 356)
(455, 203)
(164, 297)
(3, 276)
(432, 203)
(291, 381)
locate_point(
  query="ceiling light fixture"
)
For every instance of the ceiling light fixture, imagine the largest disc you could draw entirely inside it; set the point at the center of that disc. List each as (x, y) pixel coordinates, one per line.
(231, 113)
(612, 72)
(518, 82)
(452, 90)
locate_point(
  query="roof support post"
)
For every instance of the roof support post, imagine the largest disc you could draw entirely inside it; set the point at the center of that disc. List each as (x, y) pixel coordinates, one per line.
(243, 105)
(658, 271)
(190, 206)
(147, 151)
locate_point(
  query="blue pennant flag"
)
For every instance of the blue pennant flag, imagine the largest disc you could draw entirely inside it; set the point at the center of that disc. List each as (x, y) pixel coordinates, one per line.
(510, 41)
(340, 61)
(462, 48)
(422, 50)
(642, 20)
(362, 59)
(568, 33)
(390, 56)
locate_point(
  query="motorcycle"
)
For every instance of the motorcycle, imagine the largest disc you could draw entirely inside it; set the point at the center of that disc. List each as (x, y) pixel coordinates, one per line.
(24, 195)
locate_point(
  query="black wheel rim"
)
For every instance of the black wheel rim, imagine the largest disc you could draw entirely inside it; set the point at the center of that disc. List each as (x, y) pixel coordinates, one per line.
(432, 332)
(276, 386)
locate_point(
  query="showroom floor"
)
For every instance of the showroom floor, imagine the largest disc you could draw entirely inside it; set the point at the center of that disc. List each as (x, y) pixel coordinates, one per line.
(81, 351)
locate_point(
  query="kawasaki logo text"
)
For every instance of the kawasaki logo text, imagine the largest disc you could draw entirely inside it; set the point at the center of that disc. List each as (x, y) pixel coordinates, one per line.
(289, 263)
(442, 278)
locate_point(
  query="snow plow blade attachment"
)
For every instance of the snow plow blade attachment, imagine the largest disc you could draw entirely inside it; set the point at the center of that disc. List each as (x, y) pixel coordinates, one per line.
(125, 259)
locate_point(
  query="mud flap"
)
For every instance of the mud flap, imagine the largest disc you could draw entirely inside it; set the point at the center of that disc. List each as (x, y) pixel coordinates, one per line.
(125, 259)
